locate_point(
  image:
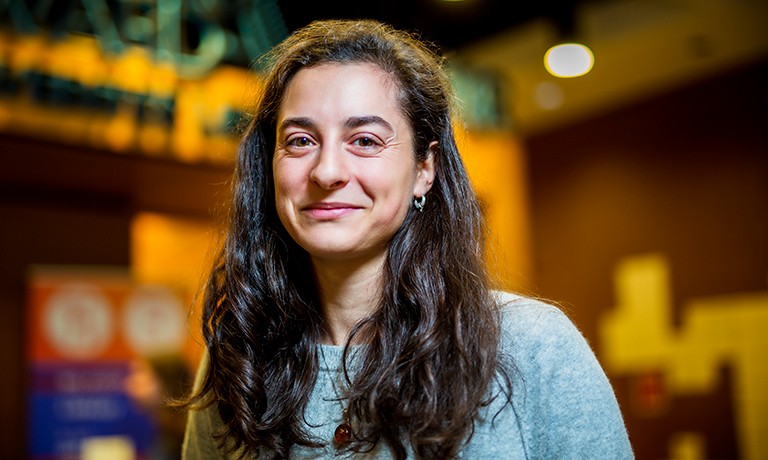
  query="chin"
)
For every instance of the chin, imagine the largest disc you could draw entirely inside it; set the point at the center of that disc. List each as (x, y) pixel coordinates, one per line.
(335, 252)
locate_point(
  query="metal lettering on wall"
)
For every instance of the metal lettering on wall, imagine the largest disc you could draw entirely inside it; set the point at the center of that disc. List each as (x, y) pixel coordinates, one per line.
(151, 76)
(194, 35)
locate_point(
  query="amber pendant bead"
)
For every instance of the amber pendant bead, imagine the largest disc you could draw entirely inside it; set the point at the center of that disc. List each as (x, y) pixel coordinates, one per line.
(342, 434)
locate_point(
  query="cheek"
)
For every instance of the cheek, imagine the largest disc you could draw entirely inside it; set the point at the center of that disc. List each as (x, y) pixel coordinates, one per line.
(284, 209)
(285, 189)
(397, 190)
(285, 183)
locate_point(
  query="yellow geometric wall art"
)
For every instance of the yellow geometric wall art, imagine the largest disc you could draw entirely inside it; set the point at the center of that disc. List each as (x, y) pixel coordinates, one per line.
(638, 336)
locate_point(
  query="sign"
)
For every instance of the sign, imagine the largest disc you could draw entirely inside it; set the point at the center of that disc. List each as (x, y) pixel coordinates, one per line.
(85, 331)
(192, 36)
(163, 78)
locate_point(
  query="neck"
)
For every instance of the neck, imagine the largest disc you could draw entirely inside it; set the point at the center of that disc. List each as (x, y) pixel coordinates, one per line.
(349, 292)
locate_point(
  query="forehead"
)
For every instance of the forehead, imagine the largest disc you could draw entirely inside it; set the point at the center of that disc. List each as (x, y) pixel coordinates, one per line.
(359, 83)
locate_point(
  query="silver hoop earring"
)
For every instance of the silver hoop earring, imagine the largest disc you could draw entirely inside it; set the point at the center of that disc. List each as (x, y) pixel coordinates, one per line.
(418, 203)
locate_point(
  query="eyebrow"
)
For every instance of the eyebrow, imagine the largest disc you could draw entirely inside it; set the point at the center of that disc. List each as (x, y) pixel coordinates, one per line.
(355, 122)
(301, 122)
(351, 122)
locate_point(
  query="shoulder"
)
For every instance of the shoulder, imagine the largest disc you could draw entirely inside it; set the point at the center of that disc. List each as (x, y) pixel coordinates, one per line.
(200, 442)
(515, 306)
(527, 322)
(540, 339)
(564, 402)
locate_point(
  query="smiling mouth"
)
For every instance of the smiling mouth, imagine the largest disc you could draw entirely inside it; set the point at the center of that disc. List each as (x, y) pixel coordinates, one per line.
(329, 211)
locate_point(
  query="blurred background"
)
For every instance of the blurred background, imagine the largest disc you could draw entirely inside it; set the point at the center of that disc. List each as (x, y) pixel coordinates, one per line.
(634, 195)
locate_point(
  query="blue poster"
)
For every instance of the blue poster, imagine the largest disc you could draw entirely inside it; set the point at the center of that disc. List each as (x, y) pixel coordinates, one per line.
(71, 403)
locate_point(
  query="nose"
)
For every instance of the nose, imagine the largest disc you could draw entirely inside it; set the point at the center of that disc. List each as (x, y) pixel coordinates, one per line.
(330, 170)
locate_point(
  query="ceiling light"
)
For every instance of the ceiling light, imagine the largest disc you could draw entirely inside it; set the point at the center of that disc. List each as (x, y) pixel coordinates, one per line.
(569, 60)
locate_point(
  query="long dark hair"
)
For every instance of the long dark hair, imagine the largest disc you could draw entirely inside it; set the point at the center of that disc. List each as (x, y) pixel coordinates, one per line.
(431, 346)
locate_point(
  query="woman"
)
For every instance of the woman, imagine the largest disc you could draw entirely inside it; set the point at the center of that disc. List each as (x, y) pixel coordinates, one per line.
(349, 311)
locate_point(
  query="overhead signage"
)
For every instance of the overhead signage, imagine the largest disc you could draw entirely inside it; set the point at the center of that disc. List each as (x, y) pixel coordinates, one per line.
(193, 36)
(160, 77)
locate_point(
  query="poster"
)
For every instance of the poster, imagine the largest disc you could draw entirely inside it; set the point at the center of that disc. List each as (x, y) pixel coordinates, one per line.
(87, 329)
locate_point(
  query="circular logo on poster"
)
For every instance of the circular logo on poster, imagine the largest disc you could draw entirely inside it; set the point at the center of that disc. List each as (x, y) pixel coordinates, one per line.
(78, 321)
(154, 320)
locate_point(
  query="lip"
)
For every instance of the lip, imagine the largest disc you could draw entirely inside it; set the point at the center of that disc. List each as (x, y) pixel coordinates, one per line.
(329, 210)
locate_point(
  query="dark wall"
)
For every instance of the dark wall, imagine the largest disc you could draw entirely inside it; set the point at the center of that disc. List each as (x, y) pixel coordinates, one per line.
(685, 174)
(66, 205)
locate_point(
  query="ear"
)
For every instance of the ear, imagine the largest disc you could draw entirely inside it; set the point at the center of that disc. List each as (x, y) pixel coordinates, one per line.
(425, 172)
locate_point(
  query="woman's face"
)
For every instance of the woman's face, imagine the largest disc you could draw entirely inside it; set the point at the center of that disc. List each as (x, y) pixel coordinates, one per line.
(344, 166)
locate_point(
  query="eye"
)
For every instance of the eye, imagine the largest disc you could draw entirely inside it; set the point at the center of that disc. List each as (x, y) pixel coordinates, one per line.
(298, 144)
(366, 144)
(299, 141)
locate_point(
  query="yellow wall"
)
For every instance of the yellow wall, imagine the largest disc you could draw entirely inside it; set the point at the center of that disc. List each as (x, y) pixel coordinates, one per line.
(496, 165)
(176, 252)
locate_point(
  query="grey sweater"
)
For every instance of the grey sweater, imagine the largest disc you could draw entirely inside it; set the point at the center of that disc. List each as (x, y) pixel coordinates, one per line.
(562, 403)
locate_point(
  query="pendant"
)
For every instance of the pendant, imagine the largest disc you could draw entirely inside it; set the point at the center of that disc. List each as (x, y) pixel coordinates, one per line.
(342, 434)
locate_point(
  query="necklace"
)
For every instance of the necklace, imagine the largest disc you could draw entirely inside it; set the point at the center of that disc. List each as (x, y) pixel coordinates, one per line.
(343, 432)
